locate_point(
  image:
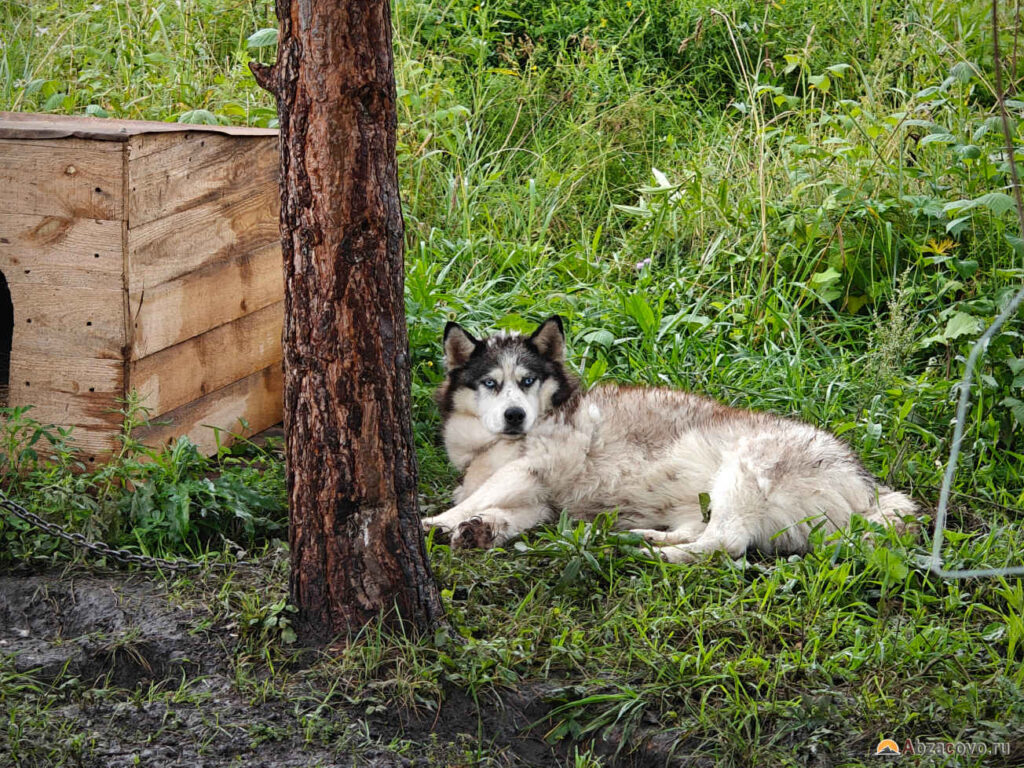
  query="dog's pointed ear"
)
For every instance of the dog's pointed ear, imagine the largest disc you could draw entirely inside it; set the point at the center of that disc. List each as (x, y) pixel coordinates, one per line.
(549, 338)
(458, 345)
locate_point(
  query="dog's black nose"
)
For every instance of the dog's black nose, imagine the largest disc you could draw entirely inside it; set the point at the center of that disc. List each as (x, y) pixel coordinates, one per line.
(515, 417)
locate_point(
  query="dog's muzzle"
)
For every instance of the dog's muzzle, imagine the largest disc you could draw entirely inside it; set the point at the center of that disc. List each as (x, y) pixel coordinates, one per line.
(514, 419)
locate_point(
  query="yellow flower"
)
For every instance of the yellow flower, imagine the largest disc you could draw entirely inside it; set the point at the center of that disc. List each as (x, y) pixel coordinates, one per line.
(604, 23)
(939, 247)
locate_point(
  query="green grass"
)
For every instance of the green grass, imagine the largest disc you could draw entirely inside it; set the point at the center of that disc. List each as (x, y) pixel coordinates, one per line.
(826, 234)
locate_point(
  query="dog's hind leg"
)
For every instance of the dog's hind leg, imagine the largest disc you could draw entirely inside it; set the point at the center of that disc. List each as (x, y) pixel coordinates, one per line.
(682, 534)
(733, 543)
(737, 502)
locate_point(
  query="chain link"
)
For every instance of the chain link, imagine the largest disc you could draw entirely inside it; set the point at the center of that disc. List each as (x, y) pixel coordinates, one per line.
(98, 547)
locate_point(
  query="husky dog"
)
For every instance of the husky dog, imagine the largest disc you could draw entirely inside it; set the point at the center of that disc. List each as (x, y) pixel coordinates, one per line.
(530, 441)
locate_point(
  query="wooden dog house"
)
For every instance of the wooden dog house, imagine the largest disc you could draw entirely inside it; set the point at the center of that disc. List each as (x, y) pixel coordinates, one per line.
(140, 256)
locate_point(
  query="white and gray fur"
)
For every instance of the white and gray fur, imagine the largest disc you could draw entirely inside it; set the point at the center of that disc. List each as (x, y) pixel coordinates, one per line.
(530, 442)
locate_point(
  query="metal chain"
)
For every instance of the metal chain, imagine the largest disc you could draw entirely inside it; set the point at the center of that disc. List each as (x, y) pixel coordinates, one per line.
(99, 548)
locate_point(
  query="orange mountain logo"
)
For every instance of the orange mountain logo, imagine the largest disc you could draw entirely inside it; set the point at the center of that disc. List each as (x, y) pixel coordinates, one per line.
(887, 747)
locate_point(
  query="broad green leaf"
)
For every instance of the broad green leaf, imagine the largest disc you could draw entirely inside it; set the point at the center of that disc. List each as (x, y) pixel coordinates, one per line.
(854, 303)
(198, 116)
(635, 210)
(262, 38)
(968, 151)
(458, 111)
(792, 62)
(825, 284)
(705, 506)
(1016, 408)
(638, 309)
(965, 267)
(890, 564)
(963, 71)
(826, 278)
(955, 226)
(997, 202)
(55, 100)
(961, 324)
(603, 338)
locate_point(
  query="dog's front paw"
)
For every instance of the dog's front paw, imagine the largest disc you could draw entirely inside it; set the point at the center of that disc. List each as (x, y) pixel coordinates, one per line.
(475, 533)
(482, 531)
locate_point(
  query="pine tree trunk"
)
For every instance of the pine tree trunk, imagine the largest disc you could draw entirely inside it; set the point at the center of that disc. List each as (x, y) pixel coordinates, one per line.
(357, 548)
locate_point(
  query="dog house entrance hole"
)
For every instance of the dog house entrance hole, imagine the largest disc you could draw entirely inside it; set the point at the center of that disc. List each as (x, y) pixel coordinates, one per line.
(6, 335)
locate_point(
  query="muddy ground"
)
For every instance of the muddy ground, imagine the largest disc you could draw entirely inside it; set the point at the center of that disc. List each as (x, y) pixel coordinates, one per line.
(127, 674)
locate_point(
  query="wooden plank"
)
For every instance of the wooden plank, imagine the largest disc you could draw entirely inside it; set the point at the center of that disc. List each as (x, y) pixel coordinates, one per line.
(70, 392)
(33, 125)
(71, 178)
(213, 231)
(53, 321)
(93, 445)
(196, 302)
(61, 250)
(92, 410)
(177, 375)
(257, 398)
(39, 380)
(170, 174)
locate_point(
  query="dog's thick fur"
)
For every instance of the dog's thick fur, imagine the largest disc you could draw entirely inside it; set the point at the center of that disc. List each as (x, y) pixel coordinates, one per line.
(529, 442)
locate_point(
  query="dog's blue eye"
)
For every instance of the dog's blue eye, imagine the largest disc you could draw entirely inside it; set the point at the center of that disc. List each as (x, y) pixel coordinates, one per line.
(528, 381)
(489, 383)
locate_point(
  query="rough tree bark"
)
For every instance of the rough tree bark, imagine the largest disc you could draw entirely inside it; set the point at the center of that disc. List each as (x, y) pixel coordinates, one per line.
(356, 544)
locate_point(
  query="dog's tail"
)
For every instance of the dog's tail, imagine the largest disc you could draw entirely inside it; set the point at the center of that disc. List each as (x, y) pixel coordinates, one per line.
(891, 508)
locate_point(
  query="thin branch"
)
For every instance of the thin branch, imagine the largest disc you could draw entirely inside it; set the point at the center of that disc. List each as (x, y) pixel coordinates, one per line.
(265, 76)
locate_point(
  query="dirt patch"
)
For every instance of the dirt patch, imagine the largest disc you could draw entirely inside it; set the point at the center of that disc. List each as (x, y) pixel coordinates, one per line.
(152, 683)
(122, 630)
(124, 674)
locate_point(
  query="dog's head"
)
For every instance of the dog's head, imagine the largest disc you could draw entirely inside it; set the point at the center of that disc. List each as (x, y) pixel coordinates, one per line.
(506, 381)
